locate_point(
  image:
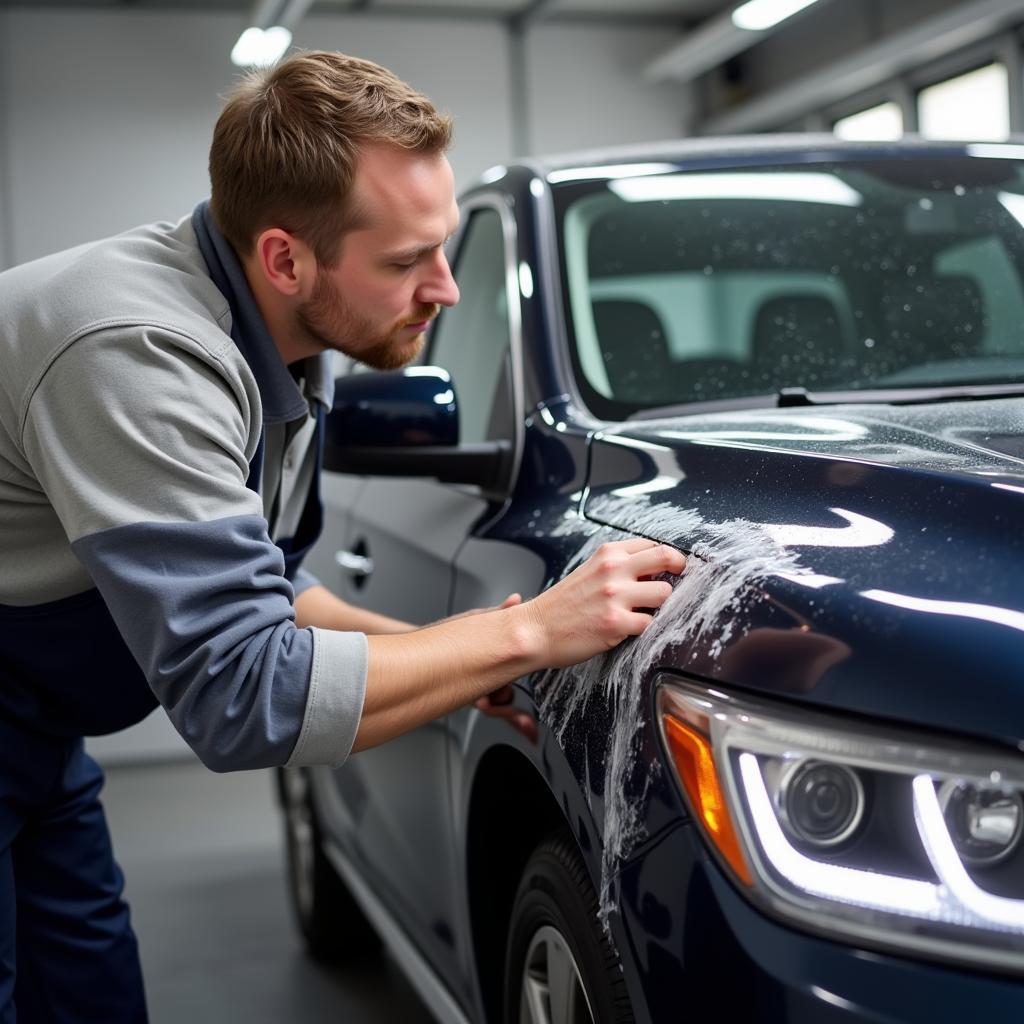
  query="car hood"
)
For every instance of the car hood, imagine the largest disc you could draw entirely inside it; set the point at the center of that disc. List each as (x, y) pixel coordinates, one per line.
(868, 557)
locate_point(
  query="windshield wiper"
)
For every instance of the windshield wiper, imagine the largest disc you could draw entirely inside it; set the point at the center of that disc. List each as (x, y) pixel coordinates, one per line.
(789, 397)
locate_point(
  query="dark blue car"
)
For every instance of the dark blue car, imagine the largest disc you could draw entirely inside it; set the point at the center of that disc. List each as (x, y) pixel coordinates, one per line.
(798, 796)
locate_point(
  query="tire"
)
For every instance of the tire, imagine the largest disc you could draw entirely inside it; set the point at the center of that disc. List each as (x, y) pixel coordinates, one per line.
(332, 924)
(560, 966)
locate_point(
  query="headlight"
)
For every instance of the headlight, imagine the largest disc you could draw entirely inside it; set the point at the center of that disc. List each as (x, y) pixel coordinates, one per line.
(900, 840)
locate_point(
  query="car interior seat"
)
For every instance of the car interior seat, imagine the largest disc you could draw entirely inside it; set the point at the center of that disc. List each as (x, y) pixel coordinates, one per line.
(797, 342)
(640, 367)
(634, 345)
(931, 320)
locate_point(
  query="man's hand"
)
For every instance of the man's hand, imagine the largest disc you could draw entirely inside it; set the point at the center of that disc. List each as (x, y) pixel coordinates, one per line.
(501, 704)
(606, 599)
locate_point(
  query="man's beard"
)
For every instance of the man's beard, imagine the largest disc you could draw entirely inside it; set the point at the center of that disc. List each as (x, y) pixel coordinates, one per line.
(327, 320)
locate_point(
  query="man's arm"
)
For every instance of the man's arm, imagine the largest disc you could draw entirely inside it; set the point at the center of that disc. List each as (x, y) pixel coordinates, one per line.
(413, 678)
(317, 606)
(178, 548)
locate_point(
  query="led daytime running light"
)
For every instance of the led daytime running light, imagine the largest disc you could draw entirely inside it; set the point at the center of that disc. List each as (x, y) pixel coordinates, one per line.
(993, 910)
(954, 898)
(833, 881)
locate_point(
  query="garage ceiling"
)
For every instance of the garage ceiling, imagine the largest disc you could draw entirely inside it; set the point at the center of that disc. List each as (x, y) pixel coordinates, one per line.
(683, 13)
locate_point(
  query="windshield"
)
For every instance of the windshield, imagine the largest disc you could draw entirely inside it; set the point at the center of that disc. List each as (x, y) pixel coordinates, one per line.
(713, 285)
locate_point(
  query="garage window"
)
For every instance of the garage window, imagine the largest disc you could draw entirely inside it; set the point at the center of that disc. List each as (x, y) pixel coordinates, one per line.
(971, 106)
(881, 122)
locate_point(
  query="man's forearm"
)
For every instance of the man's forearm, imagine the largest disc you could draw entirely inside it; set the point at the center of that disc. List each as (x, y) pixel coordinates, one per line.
(317, 606)
(416, 677)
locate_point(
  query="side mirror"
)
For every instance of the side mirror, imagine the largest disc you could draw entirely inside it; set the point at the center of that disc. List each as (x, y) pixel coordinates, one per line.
(406, 423)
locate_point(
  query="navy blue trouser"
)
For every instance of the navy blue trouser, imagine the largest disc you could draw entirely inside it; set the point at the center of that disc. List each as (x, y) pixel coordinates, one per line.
(68, 954)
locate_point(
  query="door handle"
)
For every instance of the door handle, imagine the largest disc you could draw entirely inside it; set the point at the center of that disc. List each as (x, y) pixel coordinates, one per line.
(355, 564)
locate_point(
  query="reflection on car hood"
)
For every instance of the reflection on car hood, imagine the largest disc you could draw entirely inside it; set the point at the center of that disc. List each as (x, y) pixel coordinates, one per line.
(892, 536)
(980, 437)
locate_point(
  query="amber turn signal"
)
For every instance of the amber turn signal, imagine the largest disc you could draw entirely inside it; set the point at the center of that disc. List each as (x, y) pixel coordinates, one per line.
(695, 763)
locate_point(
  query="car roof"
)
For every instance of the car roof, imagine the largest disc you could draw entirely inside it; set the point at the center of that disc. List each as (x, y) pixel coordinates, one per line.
(743, 148)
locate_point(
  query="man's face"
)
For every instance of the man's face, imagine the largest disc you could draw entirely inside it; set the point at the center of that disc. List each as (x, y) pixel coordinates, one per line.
(392, 276)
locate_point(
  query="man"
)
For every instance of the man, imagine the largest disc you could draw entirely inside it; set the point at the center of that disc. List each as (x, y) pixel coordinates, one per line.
(161, 402)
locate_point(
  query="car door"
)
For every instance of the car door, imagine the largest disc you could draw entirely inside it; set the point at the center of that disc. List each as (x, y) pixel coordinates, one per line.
(403, 538)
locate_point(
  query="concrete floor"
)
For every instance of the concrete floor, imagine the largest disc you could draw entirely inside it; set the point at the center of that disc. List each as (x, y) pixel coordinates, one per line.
(202, 854)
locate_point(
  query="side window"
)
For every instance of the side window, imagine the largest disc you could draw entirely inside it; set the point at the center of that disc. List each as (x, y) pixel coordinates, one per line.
(472, 340)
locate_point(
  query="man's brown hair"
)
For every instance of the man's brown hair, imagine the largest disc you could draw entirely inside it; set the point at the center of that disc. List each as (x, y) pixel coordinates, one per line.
(286, 144)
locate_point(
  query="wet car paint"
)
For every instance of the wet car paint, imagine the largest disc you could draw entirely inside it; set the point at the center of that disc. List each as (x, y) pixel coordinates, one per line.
(804, 610)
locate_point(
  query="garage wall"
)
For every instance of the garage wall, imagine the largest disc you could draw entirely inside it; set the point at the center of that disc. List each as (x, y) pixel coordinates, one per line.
(109, 119)
(95, 151)
(106, 116)
(585, 88)
(6, 257)
(110, 112)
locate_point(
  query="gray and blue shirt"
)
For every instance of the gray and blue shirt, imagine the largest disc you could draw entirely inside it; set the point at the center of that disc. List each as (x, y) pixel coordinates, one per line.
(159, 470)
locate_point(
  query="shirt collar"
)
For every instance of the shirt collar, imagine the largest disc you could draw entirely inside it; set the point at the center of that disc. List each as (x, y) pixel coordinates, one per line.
(281, 396)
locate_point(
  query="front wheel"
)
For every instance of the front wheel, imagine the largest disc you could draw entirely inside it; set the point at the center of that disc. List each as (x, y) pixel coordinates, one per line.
(560, 966)
(331, 923)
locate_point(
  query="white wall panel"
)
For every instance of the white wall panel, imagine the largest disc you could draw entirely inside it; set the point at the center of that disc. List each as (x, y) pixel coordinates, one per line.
(109, 121)
(6, 253)
(586, 88)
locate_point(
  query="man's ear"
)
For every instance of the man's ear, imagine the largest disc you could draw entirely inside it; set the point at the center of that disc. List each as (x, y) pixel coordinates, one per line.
(286, 262)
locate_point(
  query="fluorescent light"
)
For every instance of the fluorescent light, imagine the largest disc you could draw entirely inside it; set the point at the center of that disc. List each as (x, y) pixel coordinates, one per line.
(276, 39)
(525, 280)
(983, 612)
(996, 151)
(757, 15)
(798, 186)
(493, 174)
(257, 47)
(884, 121)
(861, 532)
(427, 371)
(245, 50)
(601, 173)
(829, 430)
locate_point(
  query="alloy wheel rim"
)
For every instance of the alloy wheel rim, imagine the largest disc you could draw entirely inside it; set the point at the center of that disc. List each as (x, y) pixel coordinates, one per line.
(552, 990)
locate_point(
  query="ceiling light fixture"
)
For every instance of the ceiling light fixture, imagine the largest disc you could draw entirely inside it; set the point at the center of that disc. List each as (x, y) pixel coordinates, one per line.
(758, 15)
(719, 38)
(257, 47)
(269, 33)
